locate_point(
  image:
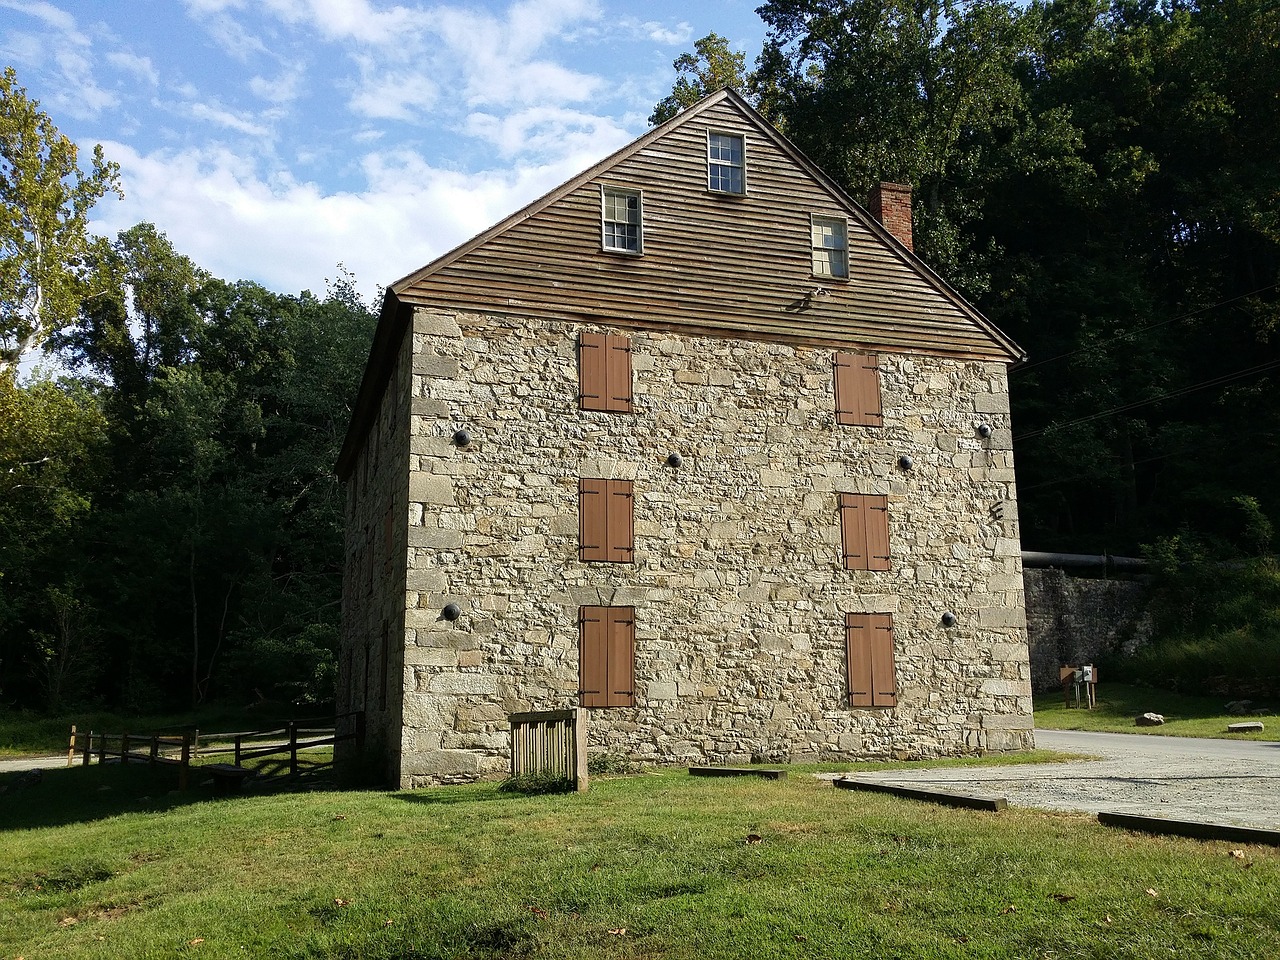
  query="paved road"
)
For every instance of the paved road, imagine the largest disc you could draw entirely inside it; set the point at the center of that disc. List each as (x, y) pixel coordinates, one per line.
(1213, 781)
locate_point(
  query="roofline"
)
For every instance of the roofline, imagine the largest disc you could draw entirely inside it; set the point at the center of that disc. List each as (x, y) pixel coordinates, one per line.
(396, 316)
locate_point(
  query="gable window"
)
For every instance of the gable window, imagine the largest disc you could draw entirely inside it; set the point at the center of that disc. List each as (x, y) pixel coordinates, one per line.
(621, 220)
(606, 656)
(872, 675)
(605, 529)
(857, 383)
(604, 373)
(830, 247)
(726, 172)
(864, 531)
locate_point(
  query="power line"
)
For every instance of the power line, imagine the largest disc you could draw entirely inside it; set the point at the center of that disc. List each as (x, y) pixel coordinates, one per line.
(1152, 326)
(1123, 408)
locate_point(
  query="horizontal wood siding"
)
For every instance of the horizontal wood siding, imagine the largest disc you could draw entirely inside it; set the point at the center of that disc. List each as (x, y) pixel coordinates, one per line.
(736, 265)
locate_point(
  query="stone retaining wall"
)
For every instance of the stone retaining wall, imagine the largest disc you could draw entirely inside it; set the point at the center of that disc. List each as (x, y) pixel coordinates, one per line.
(1072, 619)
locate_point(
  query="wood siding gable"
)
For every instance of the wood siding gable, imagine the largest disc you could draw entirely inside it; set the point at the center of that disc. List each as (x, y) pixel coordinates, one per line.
(712, 263)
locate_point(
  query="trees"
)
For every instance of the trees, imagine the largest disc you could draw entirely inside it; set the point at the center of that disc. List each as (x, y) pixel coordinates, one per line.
(45, 200)
(711, 67)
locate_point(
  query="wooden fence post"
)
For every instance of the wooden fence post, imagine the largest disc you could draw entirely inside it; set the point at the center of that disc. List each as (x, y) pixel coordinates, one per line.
(237, 753)
(71, 747)
(580, 748)
(184, 768)
(88, 747)
(293, 748)
(155, 749)
(124, 748)
(102, 748)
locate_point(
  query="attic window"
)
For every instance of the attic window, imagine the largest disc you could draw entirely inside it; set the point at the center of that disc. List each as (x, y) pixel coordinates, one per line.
(725, 167)
(620, 216)
(830, 247)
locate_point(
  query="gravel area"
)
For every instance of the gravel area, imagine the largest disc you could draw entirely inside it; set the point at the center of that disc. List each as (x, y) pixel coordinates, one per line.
(1179, 778)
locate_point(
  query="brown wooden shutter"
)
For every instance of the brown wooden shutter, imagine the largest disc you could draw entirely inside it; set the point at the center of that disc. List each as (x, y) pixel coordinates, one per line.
(593, 529)
(622, 647)
(621, 527)
(857, 379)
(872, 674)
(884, 676)
(858, 643)
(388, 539)
(853, 532)
(592, 379)
(593, 656)
(875, 511)
(617, 374)
(864, 531)
(384, 668)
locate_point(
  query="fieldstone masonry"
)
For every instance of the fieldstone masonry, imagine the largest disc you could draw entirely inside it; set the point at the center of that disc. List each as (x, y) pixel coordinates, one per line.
(737, 582)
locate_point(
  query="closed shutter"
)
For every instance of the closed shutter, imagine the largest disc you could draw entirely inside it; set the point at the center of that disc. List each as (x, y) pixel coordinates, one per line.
(384, 668)
(592, 392)
(872, 675)
(604, 372)
(593, 530)
(622, 645)
(618, 374)
(593, 654)
(605, 520)
(620, 521)
(864, 531)
(857, 380)
(606, 649)
(388, 540)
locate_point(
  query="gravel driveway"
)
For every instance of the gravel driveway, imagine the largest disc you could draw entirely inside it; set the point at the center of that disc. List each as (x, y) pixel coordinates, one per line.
(1212, 781)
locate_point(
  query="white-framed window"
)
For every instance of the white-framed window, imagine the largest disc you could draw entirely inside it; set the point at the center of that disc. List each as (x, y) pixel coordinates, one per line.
(726, 169)
(830, 247)
(621, 220)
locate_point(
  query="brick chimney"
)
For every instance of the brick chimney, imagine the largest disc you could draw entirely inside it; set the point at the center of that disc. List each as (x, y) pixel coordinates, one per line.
(890, 203)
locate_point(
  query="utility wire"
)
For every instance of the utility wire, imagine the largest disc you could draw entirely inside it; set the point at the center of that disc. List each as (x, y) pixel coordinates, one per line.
(1180, 392)
(1152, 326)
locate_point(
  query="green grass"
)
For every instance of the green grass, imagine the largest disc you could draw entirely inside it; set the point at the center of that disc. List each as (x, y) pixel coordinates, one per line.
(105, 862)
(1118, 704)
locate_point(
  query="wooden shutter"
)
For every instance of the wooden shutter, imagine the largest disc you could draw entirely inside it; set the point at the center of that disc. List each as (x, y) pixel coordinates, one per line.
(864, 531)
(872, 675)
(593, 529)
(622, 646)
(617, 374)
(621, 527)
(592, 379)
(605, 520)
(384, 666)
(593, 656)
(857, 379)
(606, 651)
(388, 539)
(604, 372)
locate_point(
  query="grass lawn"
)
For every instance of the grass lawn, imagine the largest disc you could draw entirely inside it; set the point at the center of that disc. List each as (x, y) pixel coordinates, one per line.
(105, 862)
(1184, 716)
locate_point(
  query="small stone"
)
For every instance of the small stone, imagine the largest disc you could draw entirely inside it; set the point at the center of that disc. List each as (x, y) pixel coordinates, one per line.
(1249, 726)
(1149, 720)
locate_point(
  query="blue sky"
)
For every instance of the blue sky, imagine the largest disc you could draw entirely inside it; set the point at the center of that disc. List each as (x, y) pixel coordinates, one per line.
(271, 139)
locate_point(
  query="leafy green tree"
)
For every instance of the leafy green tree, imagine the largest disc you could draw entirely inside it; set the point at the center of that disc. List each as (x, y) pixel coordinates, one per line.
(45, 199)
(711, 67)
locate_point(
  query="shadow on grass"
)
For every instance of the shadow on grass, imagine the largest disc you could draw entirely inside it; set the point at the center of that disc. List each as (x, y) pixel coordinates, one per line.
(67, 795)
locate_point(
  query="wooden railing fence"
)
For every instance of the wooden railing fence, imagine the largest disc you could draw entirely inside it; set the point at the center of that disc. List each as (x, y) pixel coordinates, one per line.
(185, 750)
(552, 742)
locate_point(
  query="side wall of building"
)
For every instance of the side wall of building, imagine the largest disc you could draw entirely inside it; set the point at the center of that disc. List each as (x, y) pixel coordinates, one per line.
(371, 651)
(737, 581)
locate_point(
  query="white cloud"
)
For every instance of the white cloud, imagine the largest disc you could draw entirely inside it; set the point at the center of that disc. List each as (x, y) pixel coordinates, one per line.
(140, 67)
(349, 19)
(238, 223)
(392, 95)
(72, 53)
(225, 118)
(281, 89)
(658, 32)
(549, 132)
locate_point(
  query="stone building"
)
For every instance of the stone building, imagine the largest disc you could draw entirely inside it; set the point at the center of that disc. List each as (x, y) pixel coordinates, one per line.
(696, 442)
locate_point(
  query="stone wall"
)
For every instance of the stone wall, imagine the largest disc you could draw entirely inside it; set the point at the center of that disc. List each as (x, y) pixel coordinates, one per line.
(1072, 620)
(737, 582)
(371, 653)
